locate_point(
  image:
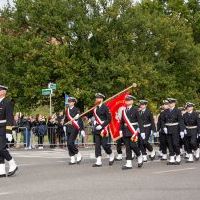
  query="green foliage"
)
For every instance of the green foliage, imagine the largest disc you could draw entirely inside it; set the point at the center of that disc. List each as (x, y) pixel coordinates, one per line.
(87, 46)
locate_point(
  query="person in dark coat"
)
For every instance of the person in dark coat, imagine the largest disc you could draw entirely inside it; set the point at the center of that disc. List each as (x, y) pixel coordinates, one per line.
(6, 125)
(173, 126)
(149, 127)
(73, 126)
(130, 122)
(192, 124)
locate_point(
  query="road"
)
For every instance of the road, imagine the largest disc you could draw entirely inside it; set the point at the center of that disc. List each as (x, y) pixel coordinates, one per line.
(47, 175)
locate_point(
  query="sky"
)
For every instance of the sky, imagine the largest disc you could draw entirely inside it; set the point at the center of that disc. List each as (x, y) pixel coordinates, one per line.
(4, 2)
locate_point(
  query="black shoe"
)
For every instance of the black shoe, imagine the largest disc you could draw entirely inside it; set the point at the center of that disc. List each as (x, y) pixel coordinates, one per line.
(70, 163)
(125, 167)
(111, 162)
(187, 161)
(171, 163)
(78, 162)
(95, 165)
(118, 159)
(177, 163)
(163, 159)
(152, 158)
(2, 175)
(140, 165)
(196, 158)
(13, 172)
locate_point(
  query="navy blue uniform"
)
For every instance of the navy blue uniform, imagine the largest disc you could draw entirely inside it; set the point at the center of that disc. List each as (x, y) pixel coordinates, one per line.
(6, 119)
(192, 125)
(133, 117)
(173, 121)
(146, 117)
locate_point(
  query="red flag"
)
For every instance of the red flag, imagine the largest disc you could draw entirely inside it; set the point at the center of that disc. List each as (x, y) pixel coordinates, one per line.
(116, 106)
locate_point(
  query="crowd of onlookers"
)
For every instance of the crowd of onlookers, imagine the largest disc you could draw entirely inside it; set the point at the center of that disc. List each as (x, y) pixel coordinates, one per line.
(39, 129)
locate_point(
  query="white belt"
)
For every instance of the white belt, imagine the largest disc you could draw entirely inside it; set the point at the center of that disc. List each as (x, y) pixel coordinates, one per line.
(172, 124)
(3, 121)
(146, 125)
(134, 124)
(191, 127)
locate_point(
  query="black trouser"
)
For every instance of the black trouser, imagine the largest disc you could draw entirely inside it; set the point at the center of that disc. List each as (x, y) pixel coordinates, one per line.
(163, 142)
(52, 137)
(190, 143)
(72, 134)
(120, 142)
(4, 154)
(129, 147)
(101, 141)
(144, 144)
(40, 140)
(173, 141)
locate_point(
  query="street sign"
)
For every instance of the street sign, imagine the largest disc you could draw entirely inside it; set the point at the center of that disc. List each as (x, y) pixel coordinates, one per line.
(52, 86)
(46, 92)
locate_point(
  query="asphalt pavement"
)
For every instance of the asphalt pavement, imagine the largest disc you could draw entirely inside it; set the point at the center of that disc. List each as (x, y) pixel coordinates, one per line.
(46, 175)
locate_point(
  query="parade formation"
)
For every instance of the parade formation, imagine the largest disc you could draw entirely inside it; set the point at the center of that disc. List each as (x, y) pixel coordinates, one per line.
(178, 129)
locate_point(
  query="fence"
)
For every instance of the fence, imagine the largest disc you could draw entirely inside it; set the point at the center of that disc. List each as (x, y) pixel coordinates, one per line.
(54, 137)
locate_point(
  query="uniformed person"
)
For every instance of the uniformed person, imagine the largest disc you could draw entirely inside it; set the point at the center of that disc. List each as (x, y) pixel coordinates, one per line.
(102, 119)
(146, 117)
(192, 124)
(162, 135)
(6, 123)
(73, 126)
(173, 126)
(130, 122)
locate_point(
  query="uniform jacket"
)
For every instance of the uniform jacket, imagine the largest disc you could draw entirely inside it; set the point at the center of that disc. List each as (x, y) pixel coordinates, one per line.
(6, 115)
(191, 119)
(147, 118)
(173, 116)
(133, 116)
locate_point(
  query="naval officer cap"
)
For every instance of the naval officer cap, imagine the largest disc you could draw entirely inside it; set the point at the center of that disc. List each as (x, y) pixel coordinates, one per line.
(129, 98)
(165, 102)
(189, 104)
(172, 100)
(2, 87)
(100, 95)
(143, 102)
(72, 99)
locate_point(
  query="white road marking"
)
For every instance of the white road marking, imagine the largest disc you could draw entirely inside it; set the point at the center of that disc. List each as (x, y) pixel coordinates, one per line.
(174, 170)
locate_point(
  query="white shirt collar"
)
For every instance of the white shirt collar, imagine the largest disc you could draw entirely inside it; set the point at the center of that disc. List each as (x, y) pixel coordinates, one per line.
(1, 99)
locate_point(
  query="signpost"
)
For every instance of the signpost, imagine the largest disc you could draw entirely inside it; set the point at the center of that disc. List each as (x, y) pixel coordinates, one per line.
(49, 92)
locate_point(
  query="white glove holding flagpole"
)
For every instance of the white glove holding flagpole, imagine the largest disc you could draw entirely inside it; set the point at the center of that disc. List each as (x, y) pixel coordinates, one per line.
(83, 133)
(9, 137)
(143, 136)
(99, 127)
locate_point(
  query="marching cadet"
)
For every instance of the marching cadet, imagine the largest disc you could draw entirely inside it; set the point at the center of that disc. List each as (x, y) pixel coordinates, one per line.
(102, 117)
(6, 123)
(173, 126)
(192, 124)
(130, 122)
(73, 126)
(162, 135)
(146, 117)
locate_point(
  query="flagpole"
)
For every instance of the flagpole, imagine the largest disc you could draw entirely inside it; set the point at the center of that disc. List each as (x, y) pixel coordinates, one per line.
(134, 85)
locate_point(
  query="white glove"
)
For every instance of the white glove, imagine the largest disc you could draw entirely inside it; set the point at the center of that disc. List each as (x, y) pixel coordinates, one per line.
(165, 130)
(9, 137)
(138, 130)
(143, 136)
(120, 133)
(185, 131)
(182, 134)
(155, 134)
(83, 133)
(99, 127)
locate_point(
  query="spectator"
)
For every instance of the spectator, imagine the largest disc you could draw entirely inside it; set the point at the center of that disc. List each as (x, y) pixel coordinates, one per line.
(52, 126)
